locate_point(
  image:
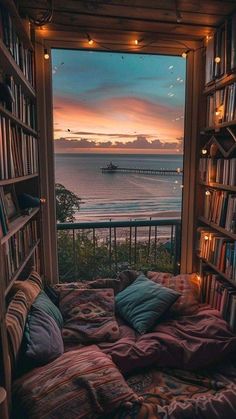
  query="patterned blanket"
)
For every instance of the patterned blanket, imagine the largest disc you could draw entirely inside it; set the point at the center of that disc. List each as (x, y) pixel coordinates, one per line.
(178, 394)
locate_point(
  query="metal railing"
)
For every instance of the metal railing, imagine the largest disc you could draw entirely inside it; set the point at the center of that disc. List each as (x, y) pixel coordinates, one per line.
(88, 250)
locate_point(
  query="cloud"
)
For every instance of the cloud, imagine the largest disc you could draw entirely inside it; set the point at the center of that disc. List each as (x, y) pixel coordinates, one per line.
(140, 143)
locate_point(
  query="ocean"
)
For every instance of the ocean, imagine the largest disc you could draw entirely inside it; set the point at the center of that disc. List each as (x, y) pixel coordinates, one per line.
(121, 196)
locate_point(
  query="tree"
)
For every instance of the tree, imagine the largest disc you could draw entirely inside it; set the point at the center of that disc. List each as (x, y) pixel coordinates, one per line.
(67, 203)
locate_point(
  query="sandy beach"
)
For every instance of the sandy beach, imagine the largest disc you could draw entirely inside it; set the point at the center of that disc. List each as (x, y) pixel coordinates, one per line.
(123, 217)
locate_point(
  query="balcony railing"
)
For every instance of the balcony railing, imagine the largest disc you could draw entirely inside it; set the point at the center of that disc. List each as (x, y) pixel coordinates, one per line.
(88, 250)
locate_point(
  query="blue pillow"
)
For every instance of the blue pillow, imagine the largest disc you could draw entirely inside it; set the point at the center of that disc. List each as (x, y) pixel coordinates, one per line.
(42, 338)
(143, 302)
(46, 305)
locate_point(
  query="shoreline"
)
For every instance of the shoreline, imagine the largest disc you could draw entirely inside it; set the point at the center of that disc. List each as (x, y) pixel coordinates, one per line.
(132, 216)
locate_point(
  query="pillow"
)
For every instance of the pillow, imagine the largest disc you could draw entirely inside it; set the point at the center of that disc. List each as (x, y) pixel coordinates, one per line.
(187, 284)
(30, 286)
(53, 291)
(88, 315)
(47, 306)
(144, 302)
(15, 323)
(81, 384)
(42, 338)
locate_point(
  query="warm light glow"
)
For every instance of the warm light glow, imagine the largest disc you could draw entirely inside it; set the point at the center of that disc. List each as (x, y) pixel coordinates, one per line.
(204, 151)
(90, 41)
(46, 54)
(43, 200)
(178, 170)
(206, 238)
(217, 60)
(184, 54)
(217, 113)
(136, 41)
(207, 193)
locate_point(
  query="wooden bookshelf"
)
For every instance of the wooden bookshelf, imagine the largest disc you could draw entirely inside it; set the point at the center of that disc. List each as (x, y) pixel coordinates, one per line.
(18, 23)
(219, 186)
(214, 268)
(219, 83)
(218, 127)
(18, 223)
(217, 228)
(17, 121)
(21, 267)
(18, 179)
(9, 65)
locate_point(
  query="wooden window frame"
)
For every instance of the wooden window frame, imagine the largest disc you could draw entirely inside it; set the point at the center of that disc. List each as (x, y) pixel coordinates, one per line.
(194, 82)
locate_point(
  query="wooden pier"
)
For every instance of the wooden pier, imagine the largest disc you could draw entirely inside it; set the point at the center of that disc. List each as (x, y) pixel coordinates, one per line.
(163, 172)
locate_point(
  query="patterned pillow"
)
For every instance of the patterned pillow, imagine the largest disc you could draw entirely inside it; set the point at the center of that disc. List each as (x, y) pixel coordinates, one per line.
(15, 322)
(187, 284)
(88, 315)
(80, 384)
(30, 286)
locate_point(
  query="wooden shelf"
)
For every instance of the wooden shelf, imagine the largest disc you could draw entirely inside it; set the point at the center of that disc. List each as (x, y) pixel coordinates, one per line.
(217, 228)
(18, 179)
(20, 28)
(218, 186)
(17, 224)
(14, 118)
(21, 267)
(218, 127)
(218, 84)
(8, 64)
(218, 271)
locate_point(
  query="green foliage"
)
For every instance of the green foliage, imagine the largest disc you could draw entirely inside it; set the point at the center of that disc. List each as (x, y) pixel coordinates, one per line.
(67, 203)
(84, 256)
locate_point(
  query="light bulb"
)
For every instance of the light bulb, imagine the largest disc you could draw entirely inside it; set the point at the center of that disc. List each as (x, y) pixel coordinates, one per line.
(207, 193)
(178, 170)
(204, 151)
(217, 60)
(46, 54)
(136, 41)
(217, 113)
(206, 238)
(90, 41)
(184, 54)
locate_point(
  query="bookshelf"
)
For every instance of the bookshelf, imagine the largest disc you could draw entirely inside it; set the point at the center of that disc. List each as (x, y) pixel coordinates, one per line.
(216, 180)
(20, 237)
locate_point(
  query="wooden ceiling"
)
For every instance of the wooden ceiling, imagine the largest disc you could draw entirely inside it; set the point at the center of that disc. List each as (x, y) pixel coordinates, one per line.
(140, 19)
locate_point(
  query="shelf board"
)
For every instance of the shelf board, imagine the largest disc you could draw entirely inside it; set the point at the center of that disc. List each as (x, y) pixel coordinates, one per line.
(17, 224)
(21, 267)
(218, 271)
(217, 228)
(218, 186)
(9, 65)
(218, 84)
(18, 179)
(218, 127)
(14, 118)
(20, 28)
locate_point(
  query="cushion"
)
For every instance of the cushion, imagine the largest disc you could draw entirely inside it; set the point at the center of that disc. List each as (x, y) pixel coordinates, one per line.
(43, 340)
(47, 306)
(88, 315)
(30, 286)
(15, 322)
(186, 284)
(144, 302)
(80, 384)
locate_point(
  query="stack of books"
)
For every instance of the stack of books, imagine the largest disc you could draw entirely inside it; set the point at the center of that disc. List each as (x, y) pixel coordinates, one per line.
(16, 249)
(220, 208)
(221, 296)
(221, 105)
(23, 57)
(219, 251)
(18, 151)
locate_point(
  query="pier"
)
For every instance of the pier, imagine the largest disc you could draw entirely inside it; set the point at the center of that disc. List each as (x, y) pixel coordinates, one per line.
(111, 168)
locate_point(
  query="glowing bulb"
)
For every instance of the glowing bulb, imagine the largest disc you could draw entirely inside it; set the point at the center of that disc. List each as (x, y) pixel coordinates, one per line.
(217, 60)
(206, 238)
(207, 193)
(46, 54)
(217, 113)
(90, 41)
(204, 151)
(178, 170)
(136, 41)
(184, 54)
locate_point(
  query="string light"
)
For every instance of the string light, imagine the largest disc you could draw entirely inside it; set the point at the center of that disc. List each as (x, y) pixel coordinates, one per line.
(207, 193)
(204, 151)
(185, 53)
(90, 40)
(206, 238)
(217, 60)
(46, 54)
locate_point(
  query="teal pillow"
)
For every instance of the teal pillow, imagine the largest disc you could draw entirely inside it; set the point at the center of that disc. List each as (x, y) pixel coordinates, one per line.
(143, 302)
(44, 303)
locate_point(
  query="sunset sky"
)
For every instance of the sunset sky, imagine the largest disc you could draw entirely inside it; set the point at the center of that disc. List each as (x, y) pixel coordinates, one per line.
(113, 102)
